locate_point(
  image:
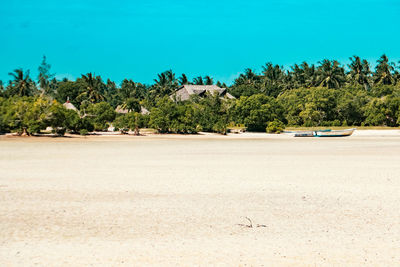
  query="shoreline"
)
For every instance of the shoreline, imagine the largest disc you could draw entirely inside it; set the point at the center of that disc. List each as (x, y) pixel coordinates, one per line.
(202, 135)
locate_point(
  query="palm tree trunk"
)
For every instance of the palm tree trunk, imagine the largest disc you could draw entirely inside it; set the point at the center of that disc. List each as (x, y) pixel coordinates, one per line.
(136, 132)
(136, 125)
(24, 132)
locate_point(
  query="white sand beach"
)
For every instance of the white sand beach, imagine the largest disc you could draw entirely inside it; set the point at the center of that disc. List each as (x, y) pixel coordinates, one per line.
(170, 200)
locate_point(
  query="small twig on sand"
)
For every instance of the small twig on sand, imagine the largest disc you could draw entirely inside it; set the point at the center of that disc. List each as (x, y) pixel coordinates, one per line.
(251, 224)
(247, 225)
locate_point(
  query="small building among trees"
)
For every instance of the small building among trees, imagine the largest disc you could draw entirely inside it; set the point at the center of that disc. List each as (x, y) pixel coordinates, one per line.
(69, 105)
(185, 91)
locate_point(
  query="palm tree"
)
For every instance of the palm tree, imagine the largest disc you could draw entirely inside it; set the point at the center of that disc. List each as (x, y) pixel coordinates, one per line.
(303, 75)
(93, 88)
(170, 76)
(22, 84)
(183, 79)
(127, 89)
(396, 75)
(111, 87)
(273, 79)
(383, 71)
(131, 104)
(273, 73)
(162, 79)
(330, 74)
(1, 89)
(248, 77)
(131, 93)
(208, 80)
(166, 83)
(222, 85)
(359, 72)
(198, 81)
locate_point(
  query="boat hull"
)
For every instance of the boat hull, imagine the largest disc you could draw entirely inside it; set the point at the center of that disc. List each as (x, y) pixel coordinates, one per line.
(304, 134)
(338, 133)
(325, 133)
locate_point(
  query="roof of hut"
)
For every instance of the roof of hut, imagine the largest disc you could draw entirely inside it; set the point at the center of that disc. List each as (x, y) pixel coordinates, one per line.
(121, 110)
(185, 91)
(144, 111)
(69, 105)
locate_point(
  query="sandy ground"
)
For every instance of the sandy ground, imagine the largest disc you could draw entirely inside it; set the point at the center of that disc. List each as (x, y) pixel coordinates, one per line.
(179, 200)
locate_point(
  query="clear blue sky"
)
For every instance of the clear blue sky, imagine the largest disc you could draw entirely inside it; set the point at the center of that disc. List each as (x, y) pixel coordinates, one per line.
(138, 39)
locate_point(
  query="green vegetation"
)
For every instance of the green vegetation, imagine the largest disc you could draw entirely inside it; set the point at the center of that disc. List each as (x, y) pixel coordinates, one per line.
(275, 126)
(324, 95)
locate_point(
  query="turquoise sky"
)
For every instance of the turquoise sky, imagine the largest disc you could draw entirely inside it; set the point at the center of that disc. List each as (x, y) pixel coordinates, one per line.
(220, 38)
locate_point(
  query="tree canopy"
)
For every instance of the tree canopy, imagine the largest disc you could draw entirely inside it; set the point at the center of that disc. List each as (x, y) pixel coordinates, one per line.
(323, 94)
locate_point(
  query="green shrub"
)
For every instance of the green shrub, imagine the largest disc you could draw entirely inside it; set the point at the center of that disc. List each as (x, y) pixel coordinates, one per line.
(336, 123)
(275, 126)
(100, 115)
(256, 111)
(83, 132)
(220, 127)
(60, 131)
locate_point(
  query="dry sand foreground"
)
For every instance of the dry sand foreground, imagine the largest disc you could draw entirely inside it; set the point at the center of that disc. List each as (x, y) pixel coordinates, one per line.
(178, 200)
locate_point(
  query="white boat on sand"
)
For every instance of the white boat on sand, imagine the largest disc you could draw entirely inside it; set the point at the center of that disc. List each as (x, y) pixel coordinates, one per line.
(325, 133)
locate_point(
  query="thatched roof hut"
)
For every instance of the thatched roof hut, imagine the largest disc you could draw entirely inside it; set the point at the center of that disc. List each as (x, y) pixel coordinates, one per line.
(121, 110)
(184, 92)
(144, 111)
(69, 105)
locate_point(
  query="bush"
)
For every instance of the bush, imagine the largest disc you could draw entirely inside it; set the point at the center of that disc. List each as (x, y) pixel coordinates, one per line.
(26, 114)
(83, 132)
(256, 111)
(100, 114)
(121, 123)
(220, 127)
(275, 126)
(83, 124)
(60, 131)
(171, 117)
(336, 123)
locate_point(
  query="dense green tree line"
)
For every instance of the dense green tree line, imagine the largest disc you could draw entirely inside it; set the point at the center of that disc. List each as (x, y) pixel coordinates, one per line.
(326, 94)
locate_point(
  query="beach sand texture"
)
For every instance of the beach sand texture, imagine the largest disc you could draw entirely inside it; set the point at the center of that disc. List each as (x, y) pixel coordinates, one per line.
(171, 200)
